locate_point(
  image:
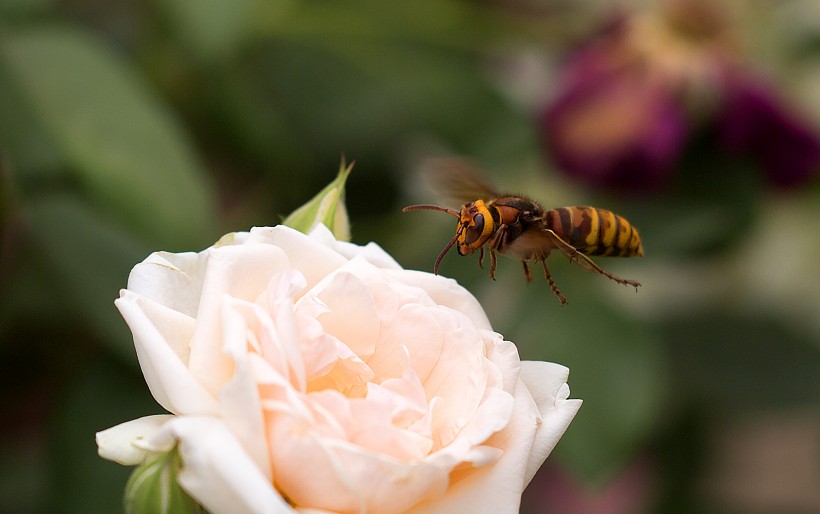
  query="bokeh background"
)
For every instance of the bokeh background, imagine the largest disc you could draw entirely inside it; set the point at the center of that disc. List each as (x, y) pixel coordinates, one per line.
(130, 126)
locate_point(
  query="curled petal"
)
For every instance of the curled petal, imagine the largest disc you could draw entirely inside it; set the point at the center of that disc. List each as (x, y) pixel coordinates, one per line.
(171, 383)
(329, 473)
(547, 383)
(124, 443)
(242, 272)
(541, 416)
(445, 292)
(313, 260)
(171, 279)
(216, 470)
(239, 398)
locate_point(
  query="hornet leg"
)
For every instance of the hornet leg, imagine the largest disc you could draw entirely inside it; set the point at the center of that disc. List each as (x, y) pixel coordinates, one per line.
(551, 282)
(496, 243)
(584, 261)
(527, 271)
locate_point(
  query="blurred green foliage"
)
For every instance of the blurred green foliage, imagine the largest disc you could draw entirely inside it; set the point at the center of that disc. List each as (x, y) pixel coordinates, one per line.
(130, 127)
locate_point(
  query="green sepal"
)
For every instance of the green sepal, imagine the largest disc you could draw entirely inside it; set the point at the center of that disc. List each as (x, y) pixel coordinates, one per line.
(153, 488)
(327, 207)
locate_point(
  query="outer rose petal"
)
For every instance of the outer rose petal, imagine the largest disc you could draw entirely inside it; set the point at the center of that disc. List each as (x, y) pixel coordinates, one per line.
(446, 292)
(171, 279)
(167, 376)
(216, 470)
(124, 443)
(541, 416)
(312, 259)
(370, 252)
(547, 382)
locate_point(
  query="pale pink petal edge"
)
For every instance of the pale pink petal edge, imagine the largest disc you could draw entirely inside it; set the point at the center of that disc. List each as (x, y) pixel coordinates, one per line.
(542, 415)
(123, 443)
(168, 378)
(217, 471)
(547, 383)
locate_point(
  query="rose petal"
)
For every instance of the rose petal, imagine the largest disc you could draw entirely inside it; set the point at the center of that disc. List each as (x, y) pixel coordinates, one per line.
(497, 489)
(171, 279)
(122, 443)
(351, 315)
(239, 398)
(175, 327)
(504, 354)
(463, 376)
(546, 382)
(242, 272)
(400, 335)
(331, 474)
(371, 252)
(217, 471)
(281, 344)
(488, 418)
(445, 292)
(232, 238)
(168, 378)
(312, 259)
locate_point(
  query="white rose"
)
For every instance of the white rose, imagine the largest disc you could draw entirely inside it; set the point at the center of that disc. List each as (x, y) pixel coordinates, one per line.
(306, 374)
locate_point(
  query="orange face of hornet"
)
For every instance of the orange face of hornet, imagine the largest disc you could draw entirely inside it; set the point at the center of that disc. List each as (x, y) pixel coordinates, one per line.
(475, 226)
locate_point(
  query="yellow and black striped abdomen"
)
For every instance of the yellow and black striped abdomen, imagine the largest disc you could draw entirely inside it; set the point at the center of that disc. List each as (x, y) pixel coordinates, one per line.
(594, 231)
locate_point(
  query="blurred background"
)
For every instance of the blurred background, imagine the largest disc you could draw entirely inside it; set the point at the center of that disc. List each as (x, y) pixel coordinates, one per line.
(132, 126)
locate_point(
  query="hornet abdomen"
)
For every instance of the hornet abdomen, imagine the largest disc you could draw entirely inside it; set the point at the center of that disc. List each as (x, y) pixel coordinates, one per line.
(594, 231)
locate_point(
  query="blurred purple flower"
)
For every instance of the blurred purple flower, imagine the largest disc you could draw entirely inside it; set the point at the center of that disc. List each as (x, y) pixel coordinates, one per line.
(630, 97)
(755, 122)
(614, 129)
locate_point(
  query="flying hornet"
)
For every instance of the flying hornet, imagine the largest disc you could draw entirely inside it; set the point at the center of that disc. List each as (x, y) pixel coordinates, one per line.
(519, 227)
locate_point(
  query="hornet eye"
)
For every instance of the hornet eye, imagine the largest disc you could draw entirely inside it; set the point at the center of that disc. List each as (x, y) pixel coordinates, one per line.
(474, 232)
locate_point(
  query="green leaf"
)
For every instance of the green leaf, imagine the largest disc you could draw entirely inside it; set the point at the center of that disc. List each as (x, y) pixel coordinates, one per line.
(212, 29)
(733, 363)
(11, 9)
(28, 151)
(327, 207)
(153, 488)
(126, 151)
(87, 261)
